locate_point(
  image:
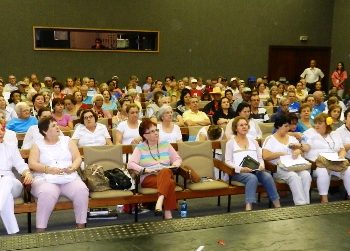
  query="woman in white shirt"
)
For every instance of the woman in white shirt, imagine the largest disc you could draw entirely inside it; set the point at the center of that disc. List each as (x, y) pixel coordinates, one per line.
(89, 132)
(279, 144)
(168, 130)
(237, 148)
(321, 139)
(128, 130)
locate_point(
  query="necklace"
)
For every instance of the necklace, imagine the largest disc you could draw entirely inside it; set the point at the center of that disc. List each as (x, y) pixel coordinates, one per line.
(324, 137)
(158, 154)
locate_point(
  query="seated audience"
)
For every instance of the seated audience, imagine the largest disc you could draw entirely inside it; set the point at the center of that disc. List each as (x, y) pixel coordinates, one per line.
(153, 107)
(64, 121)
(10, 186)
(33, 134)
(168, 130)
(184, 103)
(54, 161)
(214, 105)
(89, 132)
(283, 109)
(69, 106)
(223, 115)
(38, 101)
(273, 100)
(279, 144)
(321, 139)
(305, 121)
(152, 159)
(254, 131)
(122, 115)
(344, 132)
(9, 111)
(237, 148)
(335, 113)
(97, 102)
(128, 130)
(194, 117)
(108, 103)
(24, 120)
(15, 97)
(257, 113)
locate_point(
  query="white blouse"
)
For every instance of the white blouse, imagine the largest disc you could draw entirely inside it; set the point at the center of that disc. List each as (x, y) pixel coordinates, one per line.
(318, 144)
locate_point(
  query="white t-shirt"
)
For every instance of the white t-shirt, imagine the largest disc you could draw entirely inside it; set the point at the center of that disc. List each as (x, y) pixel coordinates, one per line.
(128, 133)
(10, 137)
(273, 145)
(87, 138)
(171, 137)
(344, 134)
(318, 144)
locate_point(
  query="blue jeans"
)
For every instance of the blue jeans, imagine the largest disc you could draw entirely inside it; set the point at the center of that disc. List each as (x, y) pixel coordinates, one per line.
(251, 181)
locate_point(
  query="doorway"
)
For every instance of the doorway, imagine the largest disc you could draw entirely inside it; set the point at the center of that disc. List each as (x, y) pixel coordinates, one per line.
(290, 62)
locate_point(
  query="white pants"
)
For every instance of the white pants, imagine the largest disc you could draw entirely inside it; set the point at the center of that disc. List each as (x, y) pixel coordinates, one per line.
(324, 179)
(10, 188)
(299, 183)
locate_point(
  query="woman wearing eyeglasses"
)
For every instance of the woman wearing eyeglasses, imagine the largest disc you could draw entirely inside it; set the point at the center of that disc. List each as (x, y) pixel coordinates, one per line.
(89, 132)
(152, 159)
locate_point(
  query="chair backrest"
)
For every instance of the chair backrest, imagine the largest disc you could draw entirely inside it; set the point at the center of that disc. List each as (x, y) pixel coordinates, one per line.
(192, 132)
(198, 156)
(223, 148)
(266, 129)
(109, 157)
(103, 121)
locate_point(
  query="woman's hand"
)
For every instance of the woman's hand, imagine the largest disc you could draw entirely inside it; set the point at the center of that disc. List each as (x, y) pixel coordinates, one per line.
(246, 170)
(296, 153)
(68, 170)
(261, 168)
(55, 170)
(150, 171)
(28, 178)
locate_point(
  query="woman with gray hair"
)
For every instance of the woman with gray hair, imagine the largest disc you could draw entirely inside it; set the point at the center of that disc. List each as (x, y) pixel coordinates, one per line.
(168, 130)
(97, 102)
(24, 120)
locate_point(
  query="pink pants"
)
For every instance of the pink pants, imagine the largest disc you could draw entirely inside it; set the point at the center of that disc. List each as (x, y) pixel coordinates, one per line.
(47, 195)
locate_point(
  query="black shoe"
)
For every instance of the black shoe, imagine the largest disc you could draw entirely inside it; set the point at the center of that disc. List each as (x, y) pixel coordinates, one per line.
(158, 212)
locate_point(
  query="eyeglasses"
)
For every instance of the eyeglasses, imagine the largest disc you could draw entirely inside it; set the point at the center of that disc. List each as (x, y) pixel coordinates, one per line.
(152, 131)
(88, 117)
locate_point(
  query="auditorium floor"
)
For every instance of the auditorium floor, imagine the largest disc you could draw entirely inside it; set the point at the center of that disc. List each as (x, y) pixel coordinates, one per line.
(312, 227)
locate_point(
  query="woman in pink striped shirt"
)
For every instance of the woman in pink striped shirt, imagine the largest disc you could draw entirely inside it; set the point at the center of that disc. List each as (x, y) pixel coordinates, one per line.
(152, 160)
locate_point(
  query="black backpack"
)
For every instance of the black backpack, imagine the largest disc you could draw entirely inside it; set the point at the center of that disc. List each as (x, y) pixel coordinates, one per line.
(118, 180)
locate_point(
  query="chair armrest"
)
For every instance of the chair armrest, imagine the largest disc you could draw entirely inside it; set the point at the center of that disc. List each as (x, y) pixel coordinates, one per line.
(136, 176)
(270, 166)
(222, 166)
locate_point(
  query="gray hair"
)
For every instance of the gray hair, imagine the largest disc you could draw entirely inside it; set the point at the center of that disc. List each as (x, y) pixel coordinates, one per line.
(163, 109)
(96, 96)
(19, 107)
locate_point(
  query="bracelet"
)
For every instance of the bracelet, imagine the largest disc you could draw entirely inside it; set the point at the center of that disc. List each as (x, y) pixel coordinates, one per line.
(46, 169)
(72, 169)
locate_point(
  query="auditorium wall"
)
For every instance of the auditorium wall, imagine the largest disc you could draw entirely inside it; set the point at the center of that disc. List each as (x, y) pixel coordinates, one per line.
(197, 37)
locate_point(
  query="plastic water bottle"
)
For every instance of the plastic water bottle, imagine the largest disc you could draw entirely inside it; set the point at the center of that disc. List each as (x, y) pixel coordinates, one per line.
(183, 209)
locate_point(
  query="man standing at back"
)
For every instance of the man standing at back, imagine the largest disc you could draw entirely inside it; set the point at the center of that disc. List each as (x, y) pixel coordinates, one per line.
(312, 75)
